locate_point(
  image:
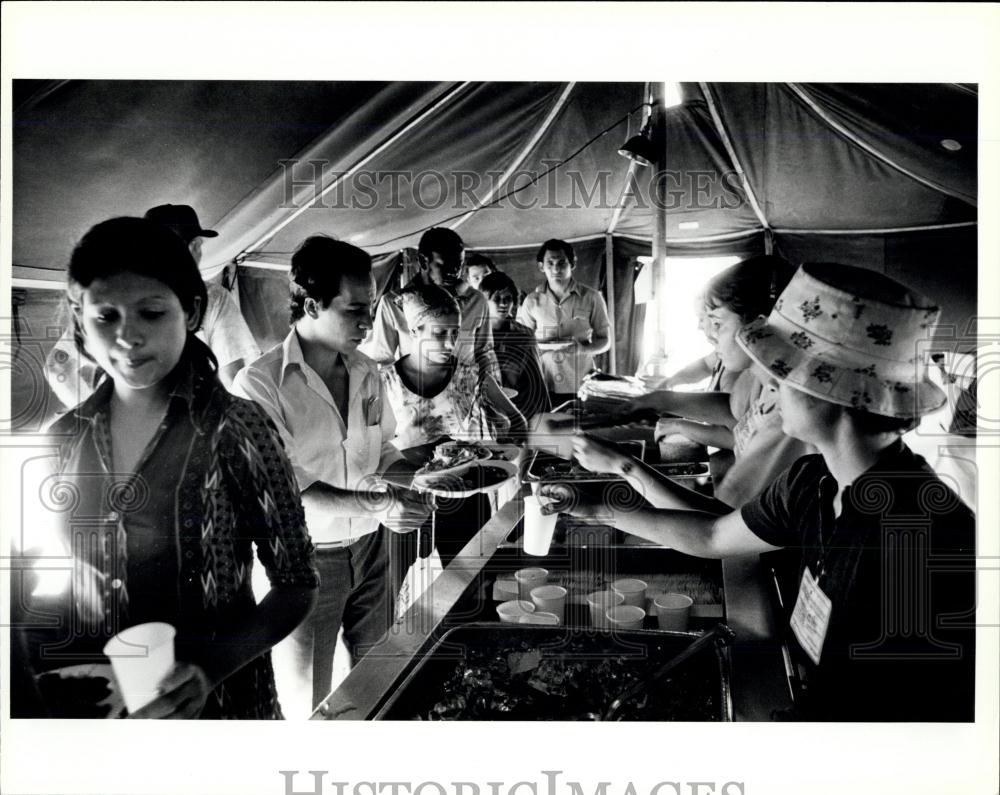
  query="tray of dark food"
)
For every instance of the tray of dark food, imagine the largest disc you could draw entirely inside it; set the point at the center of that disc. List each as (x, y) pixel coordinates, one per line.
(549, 468)
(514, 672)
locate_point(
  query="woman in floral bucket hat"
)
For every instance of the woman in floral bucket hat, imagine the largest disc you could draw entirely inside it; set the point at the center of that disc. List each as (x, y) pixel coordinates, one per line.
(883, 624)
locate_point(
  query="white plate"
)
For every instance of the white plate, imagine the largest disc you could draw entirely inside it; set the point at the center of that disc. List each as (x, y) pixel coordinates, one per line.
(454, 490)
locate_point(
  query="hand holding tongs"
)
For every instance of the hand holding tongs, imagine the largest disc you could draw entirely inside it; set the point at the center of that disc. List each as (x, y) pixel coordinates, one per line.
(719, 632)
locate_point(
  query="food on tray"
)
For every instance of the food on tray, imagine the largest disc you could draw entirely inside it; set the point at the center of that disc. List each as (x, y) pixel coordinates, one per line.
(553, 468)
(567, 681)
(483, 476)
(449, 455)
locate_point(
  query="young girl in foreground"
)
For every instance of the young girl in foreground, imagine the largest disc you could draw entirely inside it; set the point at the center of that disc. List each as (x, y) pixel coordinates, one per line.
(185, 478)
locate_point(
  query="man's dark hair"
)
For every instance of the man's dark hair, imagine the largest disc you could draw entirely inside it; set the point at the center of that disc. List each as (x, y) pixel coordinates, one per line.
(496, 282)
(480, 260)
(318, 266)
(441, 240)
(556, 245)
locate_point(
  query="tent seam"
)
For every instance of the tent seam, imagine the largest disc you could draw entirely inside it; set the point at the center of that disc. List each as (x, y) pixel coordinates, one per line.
(871, 150)
(547, 122)
(728, 144)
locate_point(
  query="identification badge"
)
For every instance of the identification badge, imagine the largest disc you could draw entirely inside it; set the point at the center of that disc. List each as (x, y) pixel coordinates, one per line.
(811, 616)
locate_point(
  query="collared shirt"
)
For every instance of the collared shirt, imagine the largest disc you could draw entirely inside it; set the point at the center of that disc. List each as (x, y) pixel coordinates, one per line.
(390, 338)
(581, 314)
(323, 446)
(225, 330)
(898, 565)
(175, 539)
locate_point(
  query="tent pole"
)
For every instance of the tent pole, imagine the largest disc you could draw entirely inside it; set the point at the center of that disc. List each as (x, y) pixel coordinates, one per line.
(657, 363)
(609, 286)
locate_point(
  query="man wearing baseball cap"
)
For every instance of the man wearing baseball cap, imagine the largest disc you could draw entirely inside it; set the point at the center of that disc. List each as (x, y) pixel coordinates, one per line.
(73, 377)
(882, 627)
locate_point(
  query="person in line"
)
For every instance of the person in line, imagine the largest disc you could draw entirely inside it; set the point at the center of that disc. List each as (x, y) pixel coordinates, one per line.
(441, 253)
(883, 625)
(477, 267)
(184, 480)
(73, 378)
(436, 396)
(569, 320)
(330, 407)
(516, 349)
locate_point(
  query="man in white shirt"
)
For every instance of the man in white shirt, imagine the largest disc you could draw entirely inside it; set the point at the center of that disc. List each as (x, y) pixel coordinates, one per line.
(327, 399)
(570, 321)
(442, 254)
(73, 377)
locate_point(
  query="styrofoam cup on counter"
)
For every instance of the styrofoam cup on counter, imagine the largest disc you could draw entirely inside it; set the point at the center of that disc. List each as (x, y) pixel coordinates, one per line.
(550, 599)
(673, 611)
(599, 603)
(511, 611)
(529, 578)
(625, 617)
(141, 656)
(633, 590)
(540, 617)
(538, 527)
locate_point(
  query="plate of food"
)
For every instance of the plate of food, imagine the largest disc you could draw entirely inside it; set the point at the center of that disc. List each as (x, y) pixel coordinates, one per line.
(453, 458)
(81, 691)
(477, 478)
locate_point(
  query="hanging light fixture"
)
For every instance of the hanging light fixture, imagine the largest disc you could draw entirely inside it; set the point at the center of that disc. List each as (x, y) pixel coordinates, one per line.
(639, 148)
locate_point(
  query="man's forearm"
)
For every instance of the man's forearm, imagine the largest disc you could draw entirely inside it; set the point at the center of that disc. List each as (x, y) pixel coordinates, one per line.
(690, 532)
(710, 407)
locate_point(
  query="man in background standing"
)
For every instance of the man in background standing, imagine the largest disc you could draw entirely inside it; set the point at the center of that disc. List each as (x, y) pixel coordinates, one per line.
(569, 319)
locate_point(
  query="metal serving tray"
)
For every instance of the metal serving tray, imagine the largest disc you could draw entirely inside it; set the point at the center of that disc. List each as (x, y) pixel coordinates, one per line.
(492, 671)
(548, 468)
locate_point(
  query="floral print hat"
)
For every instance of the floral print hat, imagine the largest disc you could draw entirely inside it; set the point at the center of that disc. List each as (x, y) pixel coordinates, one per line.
(849, 336)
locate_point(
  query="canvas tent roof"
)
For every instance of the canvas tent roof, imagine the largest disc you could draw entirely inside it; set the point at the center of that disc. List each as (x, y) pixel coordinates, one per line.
(816, 157)
(882, 176)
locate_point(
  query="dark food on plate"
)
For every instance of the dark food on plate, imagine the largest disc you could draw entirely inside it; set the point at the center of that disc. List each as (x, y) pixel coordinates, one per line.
(74, 697)
(483, 476)
(453, 454)
(567, 682)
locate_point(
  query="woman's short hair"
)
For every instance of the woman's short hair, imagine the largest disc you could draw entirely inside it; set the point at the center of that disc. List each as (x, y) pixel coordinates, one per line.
(497, 282)
(750, 287)
(142, 247)
(423, 301)
(318, 267)
(480, 261)
(556, 245)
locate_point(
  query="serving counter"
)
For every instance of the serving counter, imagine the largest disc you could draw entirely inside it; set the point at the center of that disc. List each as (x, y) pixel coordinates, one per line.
(464, 593)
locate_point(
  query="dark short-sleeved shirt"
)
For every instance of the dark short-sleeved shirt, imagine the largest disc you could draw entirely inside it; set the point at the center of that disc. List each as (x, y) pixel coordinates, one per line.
(521, 368)
(898, 566)
(175, 540)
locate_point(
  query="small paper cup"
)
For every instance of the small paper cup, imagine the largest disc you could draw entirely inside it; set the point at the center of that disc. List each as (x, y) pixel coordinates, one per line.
(528, 579)
(633, 590)
(599, 603)
(547, 619)
(141, 656)
(625, 617)
(550, 599)
(538, 527)
(673, 611)
(511, 611)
